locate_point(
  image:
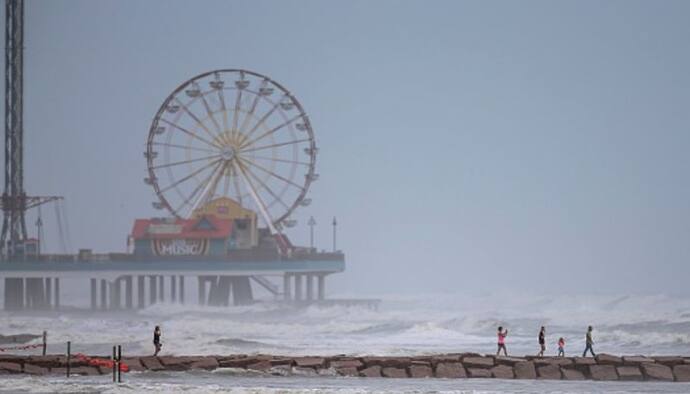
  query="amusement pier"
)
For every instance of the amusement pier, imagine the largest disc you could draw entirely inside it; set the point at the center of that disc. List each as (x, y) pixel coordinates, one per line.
(230, 156)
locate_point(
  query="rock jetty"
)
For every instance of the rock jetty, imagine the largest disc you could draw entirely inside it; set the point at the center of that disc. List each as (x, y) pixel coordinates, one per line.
(604, 367)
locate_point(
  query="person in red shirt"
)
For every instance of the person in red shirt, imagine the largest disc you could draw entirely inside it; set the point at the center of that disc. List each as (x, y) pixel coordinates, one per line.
(502, 341)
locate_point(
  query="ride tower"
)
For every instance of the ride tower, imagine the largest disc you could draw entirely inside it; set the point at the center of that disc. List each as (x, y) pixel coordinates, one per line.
(14, 240)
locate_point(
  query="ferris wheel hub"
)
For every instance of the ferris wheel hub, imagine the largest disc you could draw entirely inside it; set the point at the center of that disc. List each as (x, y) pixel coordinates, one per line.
(228, 153)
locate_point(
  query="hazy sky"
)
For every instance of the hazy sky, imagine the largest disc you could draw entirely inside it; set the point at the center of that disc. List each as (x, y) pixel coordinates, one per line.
(539, 145)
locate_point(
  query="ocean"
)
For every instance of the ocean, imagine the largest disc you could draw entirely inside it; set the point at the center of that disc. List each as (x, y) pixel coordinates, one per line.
(403, 325)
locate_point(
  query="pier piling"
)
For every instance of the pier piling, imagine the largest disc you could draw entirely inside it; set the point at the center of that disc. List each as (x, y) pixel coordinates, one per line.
(141, 295)
(128, 292)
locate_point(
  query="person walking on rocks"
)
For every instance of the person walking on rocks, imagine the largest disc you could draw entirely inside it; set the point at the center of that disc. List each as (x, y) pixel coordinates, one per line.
(542, 342)
(589, 343)
(502, 341)
(561, 347)
(157, 340)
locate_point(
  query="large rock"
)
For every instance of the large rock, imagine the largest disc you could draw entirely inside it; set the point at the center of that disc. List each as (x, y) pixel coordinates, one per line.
(603, 372)
(239, 362)
(10, 367)
(670, 361)
(45, 361)
(572, 374)
(420, 371)
(629, 373)
(391, 372)
(207, 363)
(346, 364)
(550, 371)
(281, 361)
(657, 372)
(607, 359)
(393, 362)
(682, 372)
(503, 372)
(263, 365)
(511, 361)
(347, 371)
(134, 364)
(478, 362)
(310, 362)
(35, 369)
(175, 363)
(446, 358)
(58, 371)
(372, 372)
(450, 371)
(582, 364)
(152, 363)
(525, 370)
(478, 373)
(636, 360)
(560, 361)
(584, 361)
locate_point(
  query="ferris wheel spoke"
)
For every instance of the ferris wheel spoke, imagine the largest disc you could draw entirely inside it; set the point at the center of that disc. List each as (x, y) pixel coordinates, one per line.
(250, 114)
(188, 177)
(262, 120)
(184, 147)
(210, 113)
(236, 114)
(223, 109)
(226, 181)
(196, 190)
(271, 131)
(236, 184)
(282, 160)
(268, 189)
(191, 133)
(259, 202)
(196, 119)
(177, 163)
(275, 145)
(211, 187)
(273, 174)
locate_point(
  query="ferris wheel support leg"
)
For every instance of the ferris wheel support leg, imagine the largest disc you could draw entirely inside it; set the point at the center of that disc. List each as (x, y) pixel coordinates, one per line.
(282, 245)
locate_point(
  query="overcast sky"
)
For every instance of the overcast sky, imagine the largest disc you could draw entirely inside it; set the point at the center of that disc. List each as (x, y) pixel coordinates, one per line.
(538, 145)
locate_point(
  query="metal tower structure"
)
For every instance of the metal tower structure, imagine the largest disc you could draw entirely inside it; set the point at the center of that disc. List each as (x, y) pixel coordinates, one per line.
(15, 202)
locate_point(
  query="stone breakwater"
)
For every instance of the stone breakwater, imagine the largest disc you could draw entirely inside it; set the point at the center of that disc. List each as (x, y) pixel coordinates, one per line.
(450, 366)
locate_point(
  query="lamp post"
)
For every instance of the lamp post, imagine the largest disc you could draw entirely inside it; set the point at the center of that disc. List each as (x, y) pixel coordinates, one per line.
(311, 224)
(335, 224)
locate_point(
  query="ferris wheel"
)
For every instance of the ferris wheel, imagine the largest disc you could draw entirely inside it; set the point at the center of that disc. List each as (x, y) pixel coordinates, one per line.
(235, 134)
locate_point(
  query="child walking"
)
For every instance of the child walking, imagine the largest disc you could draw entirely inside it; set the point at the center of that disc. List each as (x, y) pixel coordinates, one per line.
(561, 347)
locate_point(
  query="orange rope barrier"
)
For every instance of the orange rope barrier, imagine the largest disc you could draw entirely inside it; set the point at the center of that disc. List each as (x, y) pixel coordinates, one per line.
(100, 362)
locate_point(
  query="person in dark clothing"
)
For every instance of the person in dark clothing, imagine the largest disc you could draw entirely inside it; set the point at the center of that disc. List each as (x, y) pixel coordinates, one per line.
(589, 343)
(542, 342)
(157, 340)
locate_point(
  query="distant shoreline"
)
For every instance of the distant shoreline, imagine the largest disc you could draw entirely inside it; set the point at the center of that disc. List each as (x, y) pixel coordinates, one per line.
(604, 367)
